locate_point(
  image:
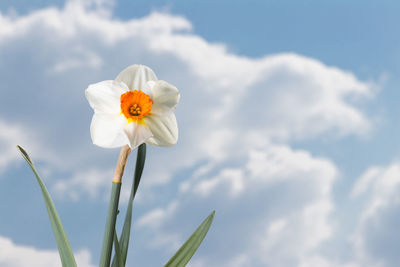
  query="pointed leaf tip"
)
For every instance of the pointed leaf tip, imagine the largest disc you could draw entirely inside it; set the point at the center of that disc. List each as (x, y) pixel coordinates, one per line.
(64, 248)
(187, 250)
(24, 154)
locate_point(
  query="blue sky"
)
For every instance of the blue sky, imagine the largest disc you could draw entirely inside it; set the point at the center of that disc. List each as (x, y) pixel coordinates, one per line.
(288, 128)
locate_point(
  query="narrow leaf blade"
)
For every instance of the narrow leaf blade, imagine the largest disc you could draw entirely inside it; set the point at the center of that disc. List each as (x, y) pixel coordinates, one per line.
(117, 248)
(64, 248)
(187, 250)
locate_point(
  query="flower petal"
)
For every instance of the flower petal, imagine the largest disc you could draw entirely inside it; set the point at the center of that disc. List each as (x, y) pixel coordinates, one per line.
(136, 76)
(164, 129)
(137, 134)
(104, 97)
(107, 130)
(165, 98)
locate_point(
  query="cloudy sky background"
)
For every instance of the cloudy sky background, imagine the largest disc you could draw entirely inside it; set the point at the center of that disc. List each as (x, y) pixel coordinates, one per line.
(289, 128)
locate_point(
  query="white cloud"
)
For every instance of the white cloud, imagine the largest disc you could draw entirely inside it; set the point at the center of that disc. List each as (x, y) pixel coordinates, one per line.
(10, 135)
(82, 59)
(156, 217)
(322, 262)
(376, 235)
(232, 178)
(13, 134)
(236, 261)
(14, 255)
(87, 182)
(154, 220)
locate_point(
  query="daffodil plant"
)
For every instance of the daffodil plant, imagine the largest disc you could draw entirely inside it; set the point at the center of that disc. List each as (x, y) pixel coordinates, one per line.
(131, 111)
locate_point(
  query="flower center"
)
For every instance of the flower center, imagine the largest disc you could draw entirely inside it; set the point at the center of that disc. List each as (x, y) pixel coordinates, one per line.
(135, 110)
(135, 105)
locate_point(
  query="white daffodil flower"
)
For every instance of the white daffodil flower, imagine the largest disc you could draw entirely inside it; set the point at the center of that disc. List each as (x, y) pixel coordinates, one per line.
(133, 109)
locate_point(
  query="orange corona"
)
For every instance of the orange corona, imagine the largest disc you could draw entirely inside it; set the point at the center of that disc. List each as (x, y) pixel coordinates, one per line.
(135, 105)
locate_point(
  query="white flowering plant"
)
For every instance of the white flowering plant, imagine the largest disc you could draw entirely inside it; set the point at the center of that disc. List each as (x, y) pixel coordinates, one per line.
(131, 111)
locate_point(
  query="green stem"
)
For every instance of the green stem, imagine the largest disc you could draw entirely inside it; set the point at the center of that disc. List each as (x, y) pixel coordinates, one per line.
(126, 230)
(110, 225)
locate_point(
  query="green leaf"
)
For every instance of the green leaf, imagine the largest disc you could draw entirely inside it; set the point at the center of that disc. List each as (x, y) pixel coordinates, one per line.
(118, 255)
(64, 248)
(109, 233)
(185, 253)
(126, 230)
